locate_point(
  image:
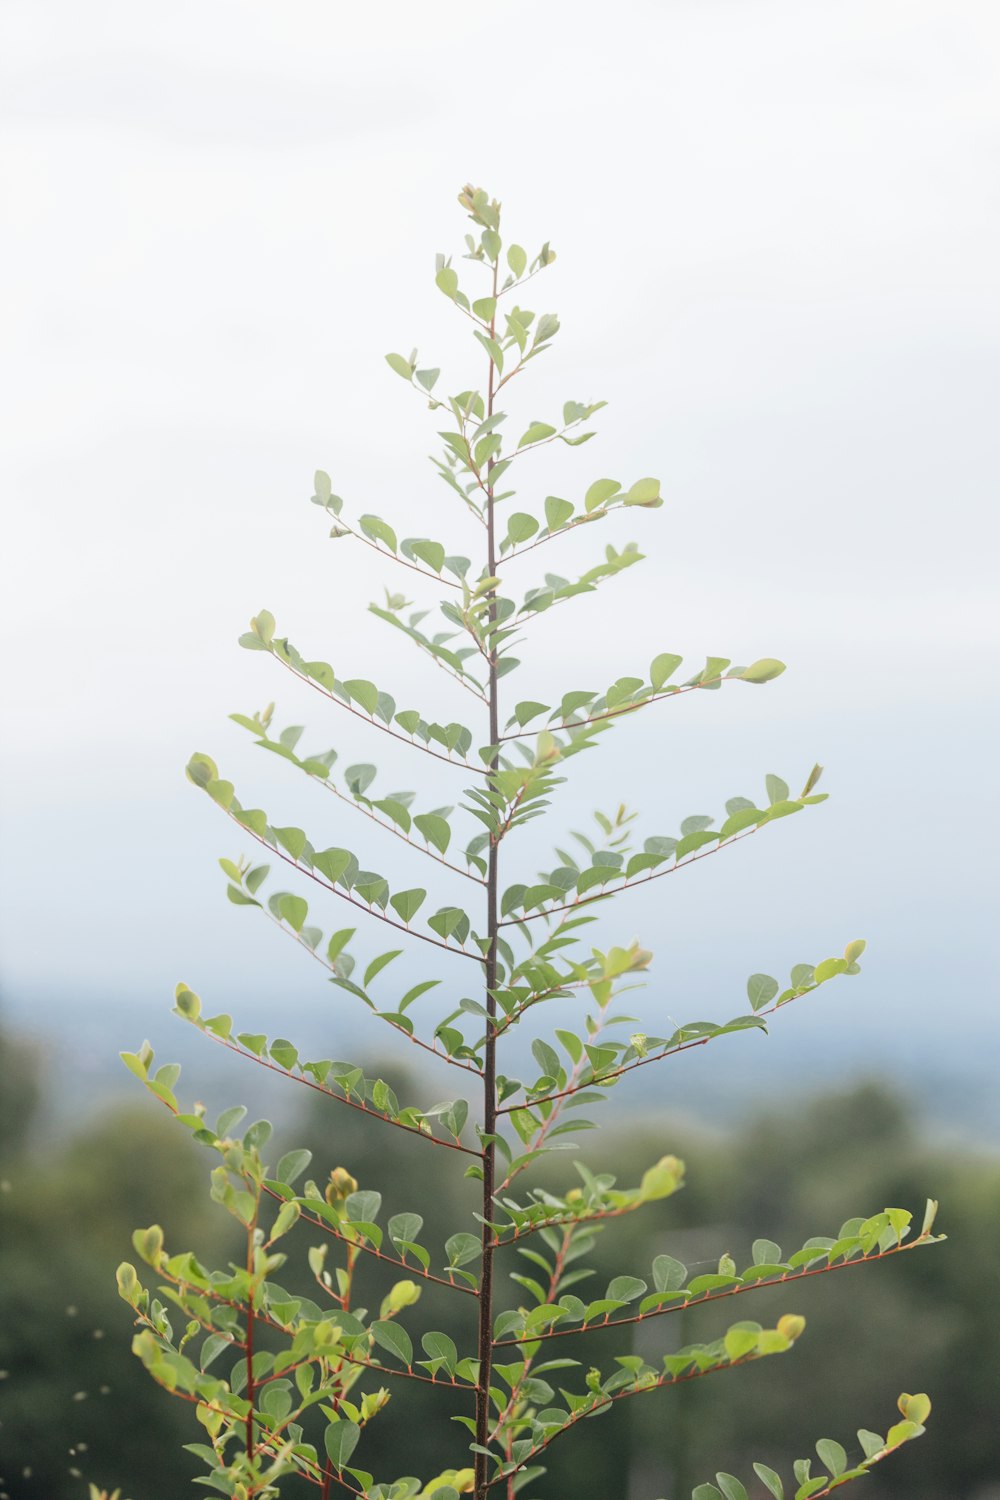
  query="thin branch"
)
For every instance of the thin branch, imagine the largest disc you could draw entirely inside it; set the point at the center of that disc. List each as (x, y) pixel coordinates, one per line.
(561, 1223)
(616, 713)
(351, 1359)
(554, 1278)
(404, 739)
(656, 1385)
(392, 556)
(710, 1296)
(463, 678)
(391, 827)
(265, 1438)
(343, 895)
(628, 885)
(376, 1251)
(417, 1041)
(551, 536)
(359, 1104)
(601, 1079)
(547, 1125)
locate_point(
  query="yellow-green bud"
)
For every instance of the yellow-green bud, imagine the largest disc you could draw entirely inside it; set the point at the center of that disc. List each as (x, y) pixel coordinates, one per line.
(791, 1325)
(340, 1186)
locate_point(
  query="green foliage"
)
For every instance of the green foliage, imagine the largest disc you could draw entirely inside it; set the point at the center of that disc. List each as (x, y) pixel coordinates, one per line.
(285, 1384)
(839, 1468)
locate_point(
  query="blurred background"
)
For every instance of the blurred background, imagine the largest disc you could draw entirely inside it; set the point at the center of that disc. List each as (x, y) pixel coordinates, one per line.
(777, 237)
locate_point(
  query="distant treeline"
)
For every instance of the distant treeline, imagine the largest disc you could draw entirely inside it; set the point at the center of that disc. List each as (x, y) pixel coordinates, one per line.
(787, 1173)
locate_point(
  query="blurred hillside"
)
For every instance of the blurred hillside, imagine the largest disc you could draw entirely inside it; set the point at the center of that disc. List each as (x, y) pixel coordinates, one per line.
(74, 1405)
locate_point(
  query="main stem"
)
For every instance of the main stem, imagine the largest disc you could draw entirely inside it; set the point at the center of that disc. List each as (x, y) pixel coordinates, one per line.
(251, 1387)
(490, 1062)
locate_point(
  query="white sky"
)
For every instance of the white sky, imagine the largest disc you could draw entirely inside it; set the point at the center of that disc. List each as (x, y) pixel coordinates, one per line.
(777, 226)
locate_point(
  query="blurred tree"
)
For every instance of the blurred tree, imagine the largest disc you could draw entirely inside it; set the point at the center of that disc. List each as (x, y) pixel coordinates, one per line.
(65, 1216)
(20, 1067)
(783, 1172)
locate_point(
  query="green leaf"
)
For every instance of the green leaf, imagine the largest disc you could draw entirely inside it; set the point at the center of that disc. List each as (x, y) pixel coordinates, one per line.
(661, 1180)
(378, 530)
(405, 1227)
(536, 433)
(402, 367)
(525, 712)
(378, 964)
(435, 830)
(432, 553)
(662, 668)
(189, 1006)
(333, 863)
(777, 790)
(461, 1248)
(557, 512)
(731, 1487)
(740, 1341)
(871, 1442)
(406, 904)
(669, 1275)
(643, 492)
(365, 693)
(761, 990)
(293, 910)
(395, 1339)
(440, 1346)
(292, 1165)
(599, 492)
(517, 260)
(762, 671)
(771, 1479)
(149, 1244)
(395, 811)
(832, 1456)
(447, 280)
(625, 1288)
(341, 1439)
(915, 1408)
(520, 527)
(450, 922)
(742, 818)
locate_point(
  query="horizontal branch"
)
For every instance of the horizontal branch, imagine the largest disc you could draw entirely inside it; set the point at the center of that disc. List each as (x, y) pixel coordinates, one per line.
(710, 1296)
(264, 1437)
(654, 1385)
(551, 536)
(533, 1100)
(358, 1104)
(628, 885)
(351, 900)
(548, 1125)
(392, 556)
(404, 739)
(464, 679)
(391, 827)
(410, 1036)
(617, 713)
(568, 1221)
(376, 1251)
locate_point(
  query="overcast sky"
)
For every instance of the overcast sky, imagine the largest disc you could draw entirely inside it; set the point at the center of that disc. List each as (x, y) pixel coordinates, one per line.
(777, 236)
